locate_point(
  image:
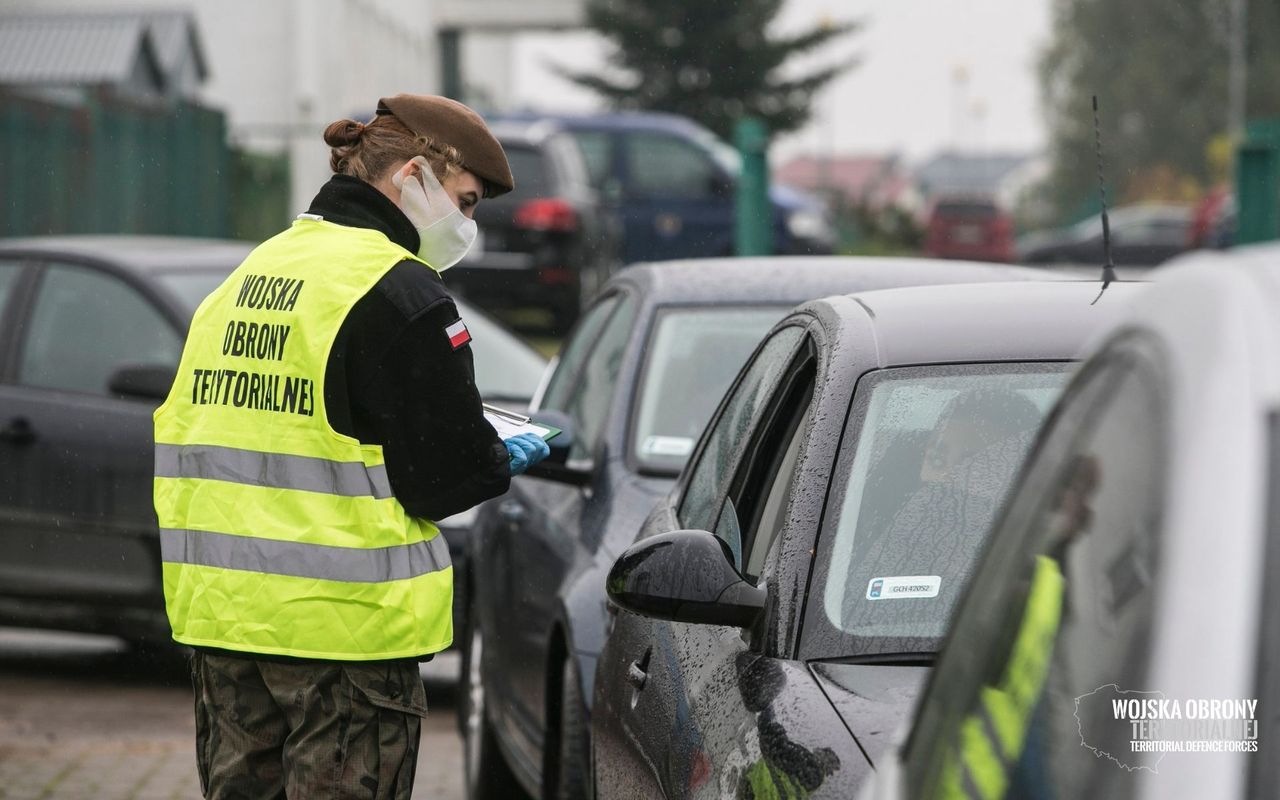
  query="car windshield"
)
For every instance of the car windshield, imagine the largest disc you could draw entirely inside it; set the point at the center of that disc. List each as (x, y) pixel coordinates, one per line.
(937, 452)
(506, 368)
(693, 356)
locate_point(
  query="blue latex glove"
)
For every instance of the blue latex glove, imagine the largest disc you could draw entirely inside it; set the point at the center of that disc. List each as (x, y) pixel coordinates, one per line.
(525, 450)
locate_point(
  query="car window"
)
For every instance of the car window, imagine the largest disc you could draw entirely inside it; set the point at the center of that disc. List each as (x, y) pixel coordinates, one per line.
(193, 286)
(530, 168)
(569, 159)
(709, 475)
(925, 466)
(692, 356)
(665, 166)
(574, 353)
(1062, 607)
(87, 324)
(589, 405)
(597, 152)
(763, 485)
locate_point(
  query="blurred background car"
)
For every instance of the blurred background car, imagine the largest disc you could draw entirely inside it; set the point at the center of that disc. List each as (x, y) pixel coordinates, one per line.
(1158, 470)
(974, 228)
(634, 384)
(672, 183)
(1142, 235)
(847, 486)
(91, 331)
(548, 243)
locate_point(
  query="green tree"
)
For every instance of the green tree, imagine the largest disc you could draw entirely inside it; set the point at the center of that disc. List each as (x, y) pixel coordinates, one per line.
(712, 60)
(1160, 72)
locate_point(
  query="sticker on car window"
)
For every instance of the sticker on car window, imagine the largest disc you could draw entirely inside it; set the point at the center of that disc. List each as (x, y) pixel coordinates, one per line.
(667, 446)
(904, 587)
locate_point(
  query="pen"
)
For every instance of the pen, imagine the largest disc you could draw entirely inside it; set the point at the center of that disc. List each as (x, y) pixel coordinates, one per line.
(502, 412)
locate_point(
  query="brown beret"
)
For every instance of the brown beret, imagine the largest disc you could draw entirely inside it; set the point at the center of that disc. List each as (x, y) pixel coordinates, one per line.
(452, 123)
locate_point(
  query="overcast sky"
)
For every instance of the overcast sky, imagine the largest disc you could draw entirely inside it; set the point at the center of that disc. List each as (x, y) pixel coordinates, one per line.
(904, 97)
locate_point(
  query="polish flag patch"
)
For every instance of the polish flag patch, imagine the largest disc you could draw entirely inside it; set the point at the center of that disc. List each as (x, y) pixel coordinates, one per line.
(458, 334)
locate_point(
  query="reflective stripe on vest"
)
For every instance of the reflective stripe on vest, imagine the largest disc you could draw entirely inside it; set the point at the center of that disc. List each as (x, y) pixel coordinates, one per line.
(991, 739)
(346, 478)
(280, 535)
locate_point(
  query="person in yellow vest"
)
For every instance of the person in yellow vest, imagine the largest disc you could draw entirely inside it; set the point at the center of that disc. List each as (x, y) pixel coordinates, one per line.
(324, 412)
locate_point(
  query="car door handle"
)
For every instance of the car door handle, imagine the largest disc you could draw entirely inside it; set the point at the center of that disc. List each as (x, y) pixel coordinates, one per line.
(512, 512)
(636, 676)
(18, 431)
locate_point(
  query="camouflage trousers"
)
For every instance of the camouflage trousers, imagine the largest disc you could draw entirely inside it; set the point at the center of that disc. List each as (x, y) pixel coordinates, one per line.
(269, 730)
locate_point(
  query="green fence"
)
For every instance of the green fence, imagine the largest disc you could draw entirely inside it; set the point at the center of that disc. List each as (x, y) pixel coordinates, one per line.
(106, 166)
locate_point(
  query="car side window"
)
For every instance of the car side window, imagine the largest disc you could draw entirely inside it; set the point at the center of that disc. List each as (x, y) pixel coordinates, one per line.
(574, 354)
(1061, 607)
(589, 405)
(666, 166)
(763, 486)
(87, 324)
(597, 153)
(711, 471)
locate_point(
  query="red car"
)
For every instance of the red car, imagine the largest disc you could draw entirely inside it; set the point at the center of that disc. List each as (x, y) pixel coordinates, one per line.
(970, 228)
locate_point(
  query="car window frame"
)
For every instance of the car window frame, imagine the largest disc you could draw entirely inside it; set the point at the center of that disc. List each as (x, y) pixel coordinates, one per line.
(631, 410)
(13, 313)
(680, 493)
(1071, 420)
(855, 419)
(161, 301)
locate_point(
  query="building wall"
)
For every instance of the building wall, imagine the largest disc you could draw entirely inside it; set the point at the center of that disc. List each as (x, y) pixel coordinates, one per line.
(284, 69)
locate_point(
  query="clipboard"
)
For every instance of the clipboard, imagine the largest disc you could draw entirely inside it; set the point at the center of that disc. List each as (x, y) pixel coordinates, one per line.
(509, 424)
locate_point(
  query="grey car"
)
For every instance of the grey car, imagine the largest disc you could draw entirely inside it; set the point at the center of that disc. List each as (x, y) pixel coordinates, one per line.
(635, 383)
(91, 329)
(782, 604)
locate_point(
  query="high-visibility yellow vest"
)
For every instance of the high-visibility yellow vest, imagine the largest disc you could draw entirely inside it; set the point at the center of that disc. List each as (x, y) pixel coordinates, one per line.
(278, 534)
(978, 765)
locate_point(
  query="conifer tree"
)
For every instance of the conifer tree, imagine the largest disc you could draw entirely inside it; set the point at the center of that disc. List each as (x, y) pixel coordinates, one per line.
(711, 60)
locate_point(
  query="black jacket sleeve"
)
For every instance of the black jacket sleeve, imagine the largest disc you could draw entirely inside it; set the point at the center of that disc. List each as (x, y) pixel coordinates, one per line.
(410, 390)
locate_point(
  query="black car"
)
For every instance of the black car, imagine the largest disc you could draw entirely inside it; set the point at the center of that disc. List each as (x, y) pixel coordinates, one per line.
(635, 383)
(91, 330)
(782, 603)
(548, 243)
(1141, 235)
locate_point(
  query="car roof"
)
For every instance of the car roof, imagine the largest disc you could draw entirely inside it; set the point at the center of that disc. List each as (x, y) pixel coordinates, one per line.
(1024, 321)
(790, 280)
(614, 120)
(140, 254)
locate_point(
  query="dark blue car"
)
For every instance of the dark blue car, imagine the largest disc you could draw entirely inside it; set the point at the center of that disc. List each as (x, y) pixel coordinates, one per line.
(671, 183)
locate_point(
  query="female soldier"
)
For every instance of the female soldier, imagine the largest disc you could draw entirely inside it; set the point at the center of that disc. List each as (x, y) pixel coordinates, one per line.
(296, 480)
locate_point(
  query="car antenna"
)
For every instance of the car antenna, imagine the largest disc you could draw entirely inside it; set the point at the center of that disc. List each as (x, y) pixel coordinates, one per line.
(1108, 268)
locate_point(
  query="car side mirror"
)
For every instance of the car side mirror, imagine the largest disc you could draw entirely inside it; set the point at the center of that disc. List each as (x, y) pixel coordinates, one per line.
(143, 382)
(684, 576)
(555, 467)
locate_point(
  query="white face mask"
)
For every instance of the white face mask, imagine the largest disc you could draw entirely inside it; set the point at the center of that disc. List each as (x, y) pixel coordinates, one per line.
(444, 233)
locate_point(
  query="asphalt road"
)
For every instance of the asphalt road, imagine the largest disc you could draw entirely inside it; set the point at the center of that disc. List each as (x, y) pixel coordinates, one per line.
(81, 718)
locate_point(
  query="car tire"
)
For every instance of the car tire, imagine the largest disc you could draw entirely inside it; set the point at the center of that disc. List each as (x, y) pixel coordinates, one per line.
(485, 772)
(573, 751)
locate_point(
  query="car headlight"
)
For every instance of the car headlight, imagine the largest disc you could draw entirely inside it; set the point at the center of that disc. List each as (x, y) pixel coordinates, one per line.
(812, 225)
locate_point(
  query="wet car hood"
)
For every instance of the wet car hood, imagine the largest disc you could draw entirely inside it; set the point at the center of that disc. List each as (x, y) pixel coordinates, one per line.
(873, 700)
